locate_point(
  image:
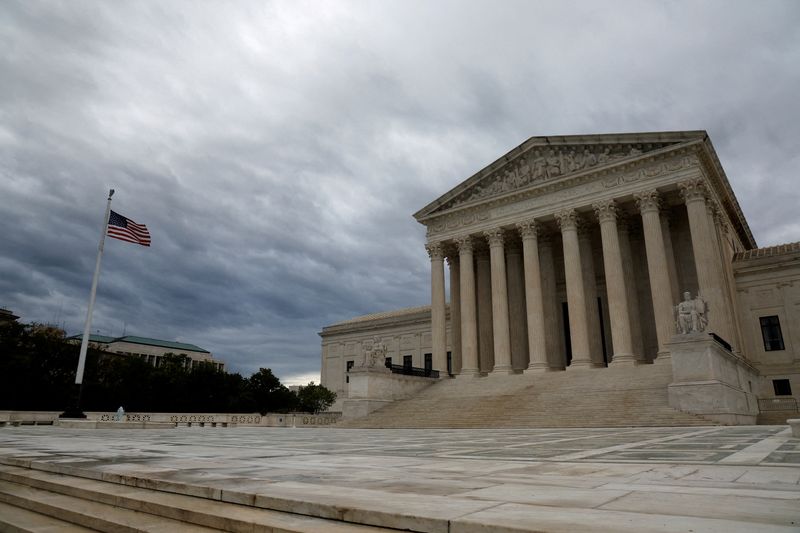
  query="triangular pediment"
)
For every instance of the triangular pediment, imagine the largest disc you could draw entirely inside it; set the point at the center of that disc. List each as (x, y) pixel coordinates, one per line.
(543, 160)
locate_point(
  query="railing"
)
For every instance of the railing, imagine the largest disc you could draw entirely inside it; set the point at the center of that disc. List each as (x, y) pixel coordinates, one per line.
(413, 371)
(721, 341)
(777, 404)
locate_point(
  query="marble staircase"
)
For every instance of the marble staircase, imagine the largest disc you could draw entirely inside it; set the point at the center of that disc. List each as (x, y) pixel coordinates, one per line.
(38, 501)
(605, 397)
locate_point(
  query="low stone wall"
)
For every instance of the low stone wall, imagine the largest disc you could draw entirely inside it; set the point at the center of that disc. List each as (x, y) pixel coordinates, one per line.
(16, 418)
(372, 388)
(710, 381)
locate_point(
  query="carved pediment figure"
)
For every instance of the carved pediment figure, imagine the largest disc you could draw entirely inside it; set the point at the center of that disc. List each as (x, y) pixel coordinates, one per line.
(543, 159)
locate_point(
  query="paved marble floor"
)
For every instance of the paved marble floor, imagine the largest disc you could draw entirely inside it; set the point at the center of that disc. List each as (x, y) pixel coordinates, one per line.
(652, 479)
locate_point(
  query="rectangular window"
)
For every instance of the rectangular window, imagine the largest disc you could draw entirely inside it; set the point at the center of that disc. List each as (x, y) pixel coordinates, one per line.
(388, 362)
(407, 362)
(771, 333)
(450, 363)
(782, 387)
(349, 366)
(428, 362)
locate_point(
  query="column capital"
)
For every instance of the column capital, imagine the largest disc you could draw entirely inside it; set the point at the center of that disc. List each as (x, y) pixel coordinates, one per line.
(452, 260)
(528, 229)
(648, 200)
(495, 236)
(435, 251)
(606, 211)
(693, 189)
(567, 219)
(464, 244)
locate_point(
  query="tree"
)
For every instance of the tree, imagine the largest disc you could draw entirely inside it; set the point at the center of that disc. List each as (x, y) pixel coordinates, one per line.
(268, 394)
(315, 398)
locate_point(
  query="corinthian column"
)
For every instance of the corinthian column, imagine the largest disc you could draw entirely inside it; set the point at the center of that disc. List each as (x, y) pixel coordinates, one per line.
(648, 203)
(500, 327)
(438, 323)
(621, 337)
(706, 257)
(469, 316)
(556, 359)
(590, 294)
(576, 299)
(455, 313)
(624, 226)
(534, 300)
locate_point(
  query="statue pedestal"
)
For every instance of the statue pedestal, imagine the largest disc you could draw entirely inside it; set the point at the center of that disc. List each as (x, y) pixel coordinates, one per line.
(710, 381)
(372, 388)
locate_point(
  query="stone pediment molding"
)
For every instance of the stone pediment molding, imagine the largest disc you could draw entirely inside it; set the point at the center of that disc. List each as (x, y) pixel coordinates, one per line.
(543, 160)
(610, 176)
(555, 166)
(543, 164)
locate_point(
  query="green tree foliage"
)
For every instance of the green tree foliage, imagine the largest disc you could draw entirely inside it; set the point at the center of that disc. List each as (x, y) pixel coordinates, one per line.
(314, 398)
(37, 372)
(268, 394)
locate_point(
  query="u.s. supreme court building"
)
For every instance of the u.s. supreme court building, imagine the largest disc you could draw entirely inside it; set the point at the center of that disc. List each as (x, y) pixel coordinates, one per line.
(572, 252)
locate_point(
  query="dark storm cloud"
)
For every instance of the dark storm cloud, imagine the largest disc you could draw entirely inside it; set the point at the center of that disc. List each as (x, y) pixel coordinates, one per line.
(277, 150)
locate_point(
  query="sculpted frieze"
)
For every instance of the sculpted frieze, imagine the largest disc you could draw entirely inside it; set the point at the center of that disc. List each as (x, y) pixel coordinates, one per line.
(651, 171)
(543, 164)
(457, 221)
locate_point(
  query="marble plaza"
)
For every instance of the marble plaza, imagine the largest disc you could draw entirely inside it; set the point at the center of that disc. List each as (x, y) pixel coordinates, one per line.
(700, 479)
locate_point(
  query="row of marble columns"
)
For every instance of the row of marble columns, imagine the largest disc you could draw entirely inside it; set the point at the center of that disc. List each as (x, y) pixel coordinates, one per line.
(539, 286)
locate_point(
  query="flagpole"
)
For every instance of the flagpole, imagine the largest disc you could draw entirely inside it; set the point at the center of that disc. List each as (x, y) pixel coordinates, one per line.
(77, 413)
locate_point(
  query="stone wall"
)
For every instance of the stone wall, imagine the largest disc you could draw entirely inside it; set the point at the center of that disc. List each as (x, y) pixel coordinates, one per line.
(15, 418)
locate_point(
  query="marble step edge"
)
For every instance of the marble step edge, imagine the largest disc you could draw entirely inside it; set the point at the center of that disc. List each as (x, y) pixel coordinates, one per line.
(518, 518)
(15, 519)
(91, 514)
(295, 499)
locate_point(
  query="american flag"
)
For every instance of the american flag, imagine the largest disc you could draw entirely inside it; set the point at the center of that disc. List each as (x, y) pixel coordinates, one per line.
(126, 229)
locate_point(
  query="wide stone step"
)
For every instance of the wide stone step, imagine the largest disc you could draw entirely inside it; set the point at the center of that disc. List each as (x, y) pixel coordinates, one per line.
(112, 507)
(18, 520)
(90, 514)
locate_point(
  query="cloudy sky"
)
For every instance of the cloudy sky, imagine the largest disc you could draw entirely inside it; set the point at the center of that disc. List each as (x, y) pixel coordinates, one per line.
(276, 150)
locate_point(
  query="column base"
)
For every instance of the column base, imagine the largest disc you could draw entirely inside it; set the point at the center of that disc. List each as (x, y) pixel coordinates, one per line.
(663, 358)
(622, 359)
(538, 367)
(468, 373)
(502, 370)
(584, 364)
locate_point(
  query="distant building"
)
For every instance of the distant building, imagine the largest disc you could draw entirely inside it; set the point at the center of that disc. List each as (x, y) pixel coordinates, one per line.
(7, 316)
(151, 350)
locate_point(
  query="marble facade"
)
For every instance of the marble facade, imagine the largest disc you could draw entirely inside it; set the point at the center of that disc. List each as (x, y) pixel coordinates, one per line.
(573, 251)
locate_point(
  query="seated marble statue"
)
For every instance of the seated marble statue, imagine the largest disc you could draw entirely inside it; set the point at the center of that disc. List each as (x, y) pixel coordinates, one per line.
(375, 354)
(691, 314)
(120, 414)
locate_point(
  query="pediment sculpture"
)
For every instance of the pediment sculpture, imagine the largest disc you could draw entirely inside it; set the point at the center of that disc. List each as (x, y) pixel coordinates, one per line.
(543, 163)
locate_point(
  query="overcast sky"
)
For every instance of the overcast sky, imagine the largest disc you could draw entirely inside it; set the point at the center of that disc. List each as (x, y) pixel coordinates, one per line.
(276, 150)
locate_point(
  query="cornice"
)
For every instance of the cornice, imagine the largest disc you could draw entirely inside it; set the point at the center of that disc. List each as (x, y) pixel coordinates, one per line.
(671, 158)
(559, 143)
